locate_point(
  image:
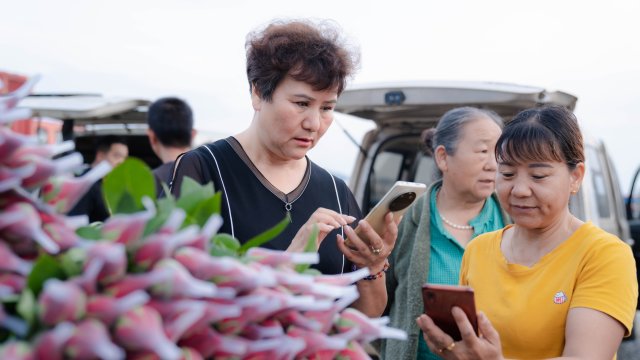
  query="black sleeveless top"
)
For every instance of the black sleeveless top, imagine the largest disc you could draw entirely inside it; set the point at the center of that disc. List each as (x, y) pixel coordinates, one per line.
(251, 205)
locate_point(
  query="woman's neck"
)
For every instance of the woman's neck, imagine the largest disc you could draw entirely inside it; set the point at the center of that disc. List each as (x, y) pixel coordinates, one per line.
(450, 201)
(456, 212)
(284, 174)
(527, 246)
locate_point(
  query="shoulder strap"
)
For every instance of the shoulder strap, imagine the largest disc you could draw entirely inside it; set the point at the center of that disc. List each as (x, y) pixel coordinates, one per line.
(172, 176)
(335, 187)
(224, 189)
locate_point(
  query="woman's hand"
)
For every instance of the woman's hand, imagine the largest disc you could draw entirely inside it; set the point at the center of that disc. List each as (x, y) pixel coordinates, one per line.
(485, 346)
(326, 220)
(366, 248)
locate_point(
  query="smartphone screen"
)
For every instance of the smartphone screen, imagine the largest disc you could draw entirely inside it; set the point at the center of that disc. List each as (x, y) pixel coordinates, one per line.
(440, 299)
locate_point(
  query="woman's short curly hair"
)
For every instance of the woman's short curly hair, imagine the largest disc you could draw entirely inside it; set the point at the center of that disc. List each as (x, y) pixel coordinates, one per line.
(314, 53)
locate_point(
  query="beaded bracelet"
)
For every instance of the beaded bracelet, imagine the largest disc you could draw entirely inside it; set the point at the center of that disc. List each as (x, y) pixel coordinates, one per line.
(377, 275)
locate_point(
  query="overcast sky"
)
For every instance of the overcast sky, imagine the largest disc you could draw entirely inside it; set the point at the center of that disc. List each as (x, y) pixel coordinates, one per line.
(195, 49)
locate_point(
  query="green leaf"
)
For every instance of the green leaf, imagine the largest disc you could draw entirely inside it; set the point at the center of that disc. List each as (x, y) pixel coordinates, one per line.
(126, 185)
(311, 271)
(72, 261)
(45, 267)
(166, 191)
(227, 241)
(192, 194)
(224, 245)
(126, 204)
(207, 207)
(189, 185)
(310, 247)
(265, 236)
(89, 232)
(27, 308)
(164, 208)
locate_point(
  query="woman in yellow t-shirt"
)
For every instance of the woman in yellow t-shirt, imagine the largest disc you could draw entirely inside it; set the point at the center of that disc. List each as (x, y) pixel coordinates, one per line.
(550, 285)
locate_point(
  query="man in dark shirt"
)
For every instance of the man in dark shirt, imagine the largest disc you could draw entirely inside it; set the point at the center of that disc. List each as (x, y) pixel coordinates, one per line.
(170, 133)
(109, 148)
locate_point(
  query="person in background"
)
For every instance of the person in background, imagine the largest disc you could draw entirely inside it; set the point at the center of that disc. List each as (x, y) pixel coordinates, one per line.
(550, 285)
(296, 70)
(109, 148)
(434, 232)
(170, 132)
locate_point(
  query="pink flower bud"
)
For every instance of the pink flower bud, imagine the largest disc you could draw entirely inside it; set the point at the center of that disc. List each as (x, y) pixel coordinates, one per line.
(305, 284)
(276, 257)
(57, 229)
(140, 329)
(11, 262)
(45, 150)
(113, 257)
(127, 229)
(328, 317)
(255, 308)
(368, 329)
(316, 341)
(11, 142)
(180, 283)
(290, 301)
(45, 168)
(225, 272)
(269, 328)
(11, 284)
(161, 246)
(61, 301)
(88, 280)
(343, 279)
(190, 354)
(203, 240)
(295, 318)
(28, 228)
(183, 317)
(10, 100)
(12, 177)
(90, 341)
(50, 344)
(187, 354)
(131, 283)
(16, 350)
(63, 192)
(283, 347)
(107, 309)
(211, 344)
(173, 222)
(354, 351)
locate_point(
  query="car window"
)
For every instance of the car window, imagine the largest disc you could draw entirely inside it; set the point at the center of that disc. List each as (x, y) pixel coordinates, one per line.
(635, 198)
(426, 170)
(394, 160)
(598, 181)
(386, 169)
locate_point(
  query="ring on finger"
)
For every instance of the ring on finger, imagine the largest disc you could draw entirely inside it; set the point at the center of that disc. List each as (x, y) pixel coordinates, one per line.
(448, 348)
(376, 251)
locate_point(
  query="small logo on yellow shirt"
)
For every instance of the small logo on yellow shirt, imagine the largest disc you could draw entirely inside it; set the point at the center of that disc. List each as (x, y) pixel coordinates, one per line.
(559, 298)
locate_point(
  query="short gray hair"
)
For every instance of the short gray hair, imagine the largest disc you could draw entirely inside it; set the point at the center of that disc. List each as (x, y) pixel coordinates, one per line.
(447, 132)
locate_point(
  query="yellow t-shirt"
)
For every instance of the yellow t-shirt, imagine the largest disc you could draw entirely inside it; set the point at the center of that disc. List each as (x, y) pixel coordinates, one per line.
(528, 306)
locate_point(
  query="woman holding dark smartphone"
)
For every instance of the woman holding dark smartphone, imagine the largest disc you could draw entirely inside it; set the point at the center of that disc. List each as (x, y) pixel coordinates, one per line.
(551, 285)
(434, 232)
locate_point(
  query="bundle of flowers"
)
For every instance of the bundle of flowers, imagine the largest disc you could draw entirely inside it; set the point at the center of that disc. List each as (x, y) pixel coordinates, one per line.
(155, 280)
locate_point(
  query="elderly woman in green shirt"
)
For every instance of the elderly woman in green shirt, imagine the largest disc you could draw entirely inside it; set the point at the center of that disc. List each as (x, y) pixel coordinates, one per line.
(433, 234)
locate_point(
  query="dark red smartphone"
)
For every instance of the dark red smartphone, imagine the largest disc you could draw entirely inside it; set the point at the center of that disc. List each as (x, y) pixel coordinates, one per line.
(440, 299)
